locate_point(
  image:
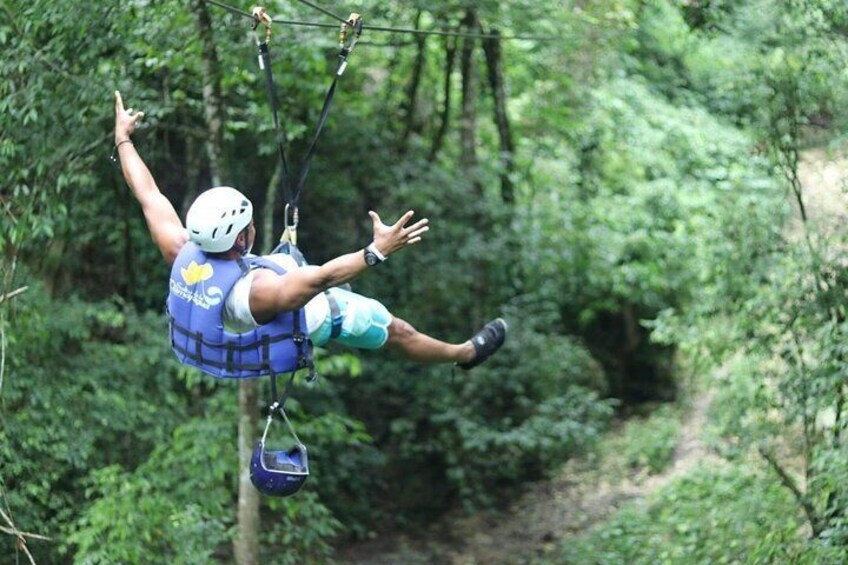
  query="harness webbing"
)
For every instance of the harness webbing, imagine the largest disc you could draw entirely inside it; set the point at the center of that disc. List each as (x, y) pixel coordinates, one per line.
(291, 192)
(265, 64)
(231, 348)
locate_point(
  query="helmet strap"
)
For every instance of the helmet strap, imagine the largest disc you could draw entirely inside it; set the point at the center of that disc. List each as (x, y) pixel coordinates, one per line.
(243, 249)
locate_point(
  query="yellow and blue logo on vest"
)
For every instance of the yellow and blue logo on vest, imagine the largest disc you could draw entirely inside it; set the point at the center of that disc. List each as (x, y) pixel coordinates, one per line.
(193, 275)
(196, 273)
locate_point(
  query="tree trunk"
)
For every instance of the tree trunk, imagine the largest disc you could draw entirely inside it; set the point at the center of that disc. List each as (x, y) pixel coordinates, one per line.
(494, 65)
(468, 155)
(468, 119)
(271, 192)
(246, 544)
(411, 101)
(211, 91)
(438, 139)
(193, 173)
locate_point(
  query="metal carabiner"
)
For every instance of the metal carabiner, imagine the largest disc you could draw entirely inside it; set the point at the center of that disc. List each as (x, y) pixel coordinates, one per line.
(348, 36)
(354, 24)
(295, 217)
(261, 16)
(290, 227)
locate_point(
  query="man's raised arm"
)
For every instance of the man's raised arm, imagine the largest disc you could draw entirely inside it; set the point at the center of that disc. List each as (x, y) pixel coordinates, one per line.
(271, 293)
(164, 224)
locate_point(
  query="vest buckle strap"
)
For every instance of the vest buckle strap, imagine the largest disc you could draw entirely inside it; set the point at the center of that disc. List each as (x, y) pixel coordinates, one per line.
(336, 317)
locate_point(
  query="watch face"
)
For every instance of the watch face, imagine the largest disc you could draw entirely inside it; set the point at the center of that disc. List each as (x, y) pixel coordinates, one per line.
(370, 258)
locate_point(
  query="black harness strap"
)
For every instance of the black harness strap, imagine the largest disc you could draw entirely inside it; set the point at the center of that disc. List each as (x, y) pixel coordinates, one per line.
(336, 317)
(280, 400)
(354, 27)
(218, 365)
(265, 64)
(198, 345)
(198, 336)
(325, 111)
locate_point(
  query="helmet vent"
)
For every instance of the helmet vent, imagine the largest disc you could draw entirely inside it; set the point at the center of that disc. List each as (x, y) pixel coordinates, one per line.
(229, 229)
(214, 232)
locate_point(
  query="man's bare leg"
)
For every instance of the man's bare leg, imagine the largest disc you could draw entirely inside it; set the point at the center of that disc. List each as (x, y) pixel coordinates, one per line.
(422, 348)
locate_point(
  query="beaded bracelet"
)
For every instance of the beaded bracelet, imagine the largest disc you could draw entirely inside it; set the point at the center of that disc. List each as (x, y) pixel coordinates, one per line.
(114, 157)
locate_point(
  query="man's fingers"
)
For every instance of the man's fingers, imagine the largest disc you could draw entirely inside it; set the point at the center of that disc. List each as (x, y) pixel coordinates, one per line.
(374, 217)
(417, 225)
(119, 104)
(414, 240)
(137, 117)
(403, 219)
(416, 234)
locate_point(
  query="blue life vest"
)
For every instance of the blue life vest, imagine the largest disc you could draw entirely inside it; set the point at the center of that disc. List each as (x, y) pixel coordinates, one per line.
(199, 286)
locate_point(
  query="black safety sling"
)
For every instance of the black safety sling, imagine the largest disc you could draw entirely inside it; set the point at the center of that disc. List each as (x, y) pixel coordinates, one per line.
(348, 36)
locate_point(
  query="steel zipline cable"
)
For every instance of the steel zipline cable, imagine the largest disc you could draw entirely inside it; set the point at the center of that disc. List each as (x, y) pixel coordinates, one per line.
(386, 29)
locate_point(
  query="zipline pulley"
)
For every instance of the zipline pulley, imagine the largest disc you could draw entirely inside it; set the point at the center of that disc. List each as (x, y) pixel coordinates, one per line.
(261, 17)
(348, 36)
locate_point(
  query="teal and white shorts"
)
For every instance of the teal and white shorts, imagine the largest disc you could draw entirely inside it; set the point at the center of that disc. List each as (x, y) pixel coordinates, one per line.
(364, 321)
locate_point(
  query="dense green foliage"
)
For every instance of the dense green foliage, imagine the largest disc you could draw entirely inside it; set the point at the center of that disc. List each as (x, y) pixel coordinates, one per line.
(779, 331)
(648, 214)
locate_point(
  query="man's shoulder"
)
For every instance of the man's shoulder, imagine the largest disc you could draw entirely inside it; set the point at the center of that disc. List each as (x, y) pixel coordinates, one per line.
(283, 260)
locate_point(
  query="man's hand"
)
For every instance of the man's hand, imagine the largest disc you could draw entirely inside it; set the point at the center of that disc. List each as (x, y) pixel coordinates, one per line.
(271, 294)
(164, 224)
(389, 239)
(125, 120)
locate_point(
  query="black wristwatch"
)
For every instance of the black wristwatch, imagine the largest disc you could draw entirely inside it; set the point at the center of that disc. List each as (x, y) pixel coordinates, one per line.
(373, 255)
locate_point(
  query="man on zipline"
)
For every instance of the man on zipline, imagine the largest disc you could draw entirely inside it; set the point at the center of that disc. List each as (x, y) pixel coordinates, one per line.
(220, 229)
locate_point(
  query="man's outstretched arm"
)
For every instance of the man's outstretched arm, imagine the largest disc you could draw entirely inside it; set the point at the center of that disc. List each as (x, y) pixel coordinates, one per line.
(164, 224)
(272, 293)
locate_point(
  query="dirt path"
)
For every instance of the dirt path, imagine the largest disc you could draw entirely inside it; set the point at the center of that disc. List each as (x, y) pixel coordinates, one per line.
(548, 512)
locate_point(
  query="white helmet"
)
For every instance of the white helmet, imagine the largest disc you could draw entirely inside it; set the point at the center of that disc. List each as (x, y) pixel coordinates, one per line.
(216, 217)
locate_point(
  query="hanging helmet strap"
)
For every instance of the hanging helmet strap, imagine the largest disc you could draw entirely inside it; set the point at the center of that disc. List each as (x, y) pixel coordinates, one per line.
(348, 36)
(278, 407)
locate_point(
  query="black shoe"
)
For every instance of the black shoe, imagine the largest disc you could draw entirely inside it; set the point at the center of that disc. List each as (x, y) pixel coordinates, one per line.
(486, 342)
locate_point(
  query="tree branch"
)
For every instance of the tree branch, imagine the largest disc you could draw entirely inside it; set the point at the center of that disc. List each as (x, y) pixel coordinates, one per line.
(497, 79)
(20, 537)
(410, 101)
(14, 293)
(438, 139)
(790, 483)
(18, 533)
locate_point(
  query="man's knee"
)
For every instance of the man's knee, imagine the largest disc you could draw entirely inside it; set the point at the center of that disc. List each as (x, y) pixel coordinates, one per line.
(400, 330)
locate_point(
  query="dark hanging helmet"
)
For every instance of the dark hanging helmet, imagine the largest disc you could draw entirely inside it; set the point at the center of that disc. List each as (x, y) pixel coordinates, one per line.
(279, 473)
